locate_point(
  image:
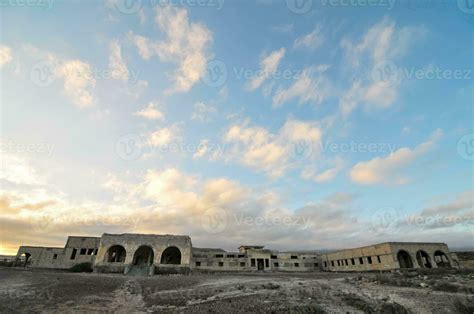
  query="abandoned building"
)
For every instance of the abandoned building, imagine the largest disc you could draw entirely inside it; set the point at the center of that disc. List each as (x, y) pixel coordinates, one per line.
(151, 254)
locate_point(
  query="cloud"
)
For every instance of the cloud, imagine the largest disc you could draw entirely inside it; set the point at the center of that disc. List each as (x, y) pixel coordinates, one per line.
(273, 154)
(312, 40)
(78, 82)
(387, 170)
(377, 51)
(186, 44)
(312, 86)
(268, 66)
(463, 201)
(117, 66)
(164, 136)
(18, 170)
(5, 55)
(150, 112)
(202, 149)
(202, 112)
(309, 173)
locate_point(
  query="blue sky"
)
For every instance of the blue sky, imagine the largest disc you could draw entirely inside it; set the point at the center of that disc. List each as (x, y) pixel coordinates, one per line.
(323, 125)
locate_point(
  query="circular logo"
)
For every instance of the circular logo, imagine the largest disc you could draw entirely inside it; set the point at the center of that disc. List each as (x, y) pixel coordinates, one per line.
(299, 6)
(466, 147)
(216, 73)
(386, 73)
(128, 147)
(128, 6)
(301, 149)
(385, 218)
(214, 220)
(43, 73)
(467, 6)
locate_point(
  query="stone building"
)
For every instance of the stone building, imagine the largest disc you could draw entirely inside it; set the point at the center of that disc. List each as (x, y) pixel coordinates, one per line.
(150, 254)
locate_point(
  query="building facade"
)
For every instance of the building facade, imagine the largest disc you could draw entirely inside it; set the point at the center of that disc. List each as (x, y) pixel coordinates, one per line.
(150, 254)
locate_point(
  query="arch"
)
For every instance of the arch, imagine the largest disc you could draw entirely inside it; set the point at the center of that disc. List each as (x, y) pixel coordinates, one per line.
(423, 259)
(25, 259)
(404, 259)
(172, 255)
(116, 254)
(143, 256)
(441, 259)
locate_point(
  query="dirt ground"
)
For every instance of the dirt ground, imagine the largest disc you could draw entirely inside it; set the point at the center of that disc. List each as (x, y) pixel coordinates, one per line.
(34, 290)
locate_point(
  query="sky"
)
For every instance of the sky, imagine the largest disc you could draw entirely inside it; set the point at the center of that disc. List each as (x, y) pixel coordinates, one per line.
(295, 124)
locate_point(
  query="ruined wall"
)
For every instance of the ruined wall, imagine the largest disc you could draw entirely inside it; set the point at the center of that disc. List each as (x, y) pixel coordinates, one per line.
(40, 257)
(132, 242)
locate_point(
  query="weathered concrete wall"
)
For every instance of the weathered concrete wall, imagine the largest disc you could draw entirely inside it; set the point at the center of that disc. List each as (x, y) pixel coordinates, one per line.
(41, 257)
(384, 256)
(132, 242)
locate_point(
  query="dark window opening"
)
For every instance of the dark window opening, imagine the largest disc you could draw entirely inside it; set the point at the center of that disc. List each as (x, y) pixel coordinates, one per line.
(95, 251)
(325, 264)
(241, 255)
(73, 254)
(90, 251)
(221, 264)
(353, 262)
(274, 257)
(332, 263)
(347, 263)
(338, 263)
(242, 264)
(219, 255)
(294, 257)
(230, 256)
(252, 262)
(275, 265)
(369, 259)
(198, 264)
(267, 263)
(315, 264)
(55, 256)
(378, 259)
(83, 251)
(361, 260)
(297, 265)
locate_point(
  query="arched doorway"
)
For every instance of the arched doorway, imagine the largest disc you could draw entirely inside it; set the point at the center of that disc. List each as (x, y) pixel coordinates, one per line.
(441, 259)
(423, 259)
(143, 256)
(404, 259)
(116, 254)
(171, 255)
(25, 260)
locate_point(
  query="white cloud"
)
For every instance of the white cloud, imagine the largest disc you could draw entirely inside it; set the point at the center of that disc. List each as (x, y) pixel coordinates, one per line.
(463, 201)
(273, 154)
(312, 40)
(311, 86)
(186, 44)
(268, 66)
(202, 149)
(309, 173)
(116, 64)
(78, 82)
(163, 136)
(5, 55)
(387, 170)
(202, 112)
(150, 112)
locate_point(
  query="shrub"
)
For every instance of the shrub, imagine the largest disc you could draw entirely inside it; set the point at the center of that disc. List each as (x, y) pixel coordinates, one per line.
(82, 268)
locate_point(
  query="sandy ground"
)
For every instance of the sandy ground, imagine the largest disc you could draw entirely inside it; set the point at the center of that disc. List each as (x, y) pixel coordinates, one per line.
(28, 290)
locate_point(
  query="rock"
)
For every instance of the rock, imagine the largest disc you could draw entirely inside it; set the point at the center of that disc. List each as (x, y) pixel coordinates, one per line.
(423, 285)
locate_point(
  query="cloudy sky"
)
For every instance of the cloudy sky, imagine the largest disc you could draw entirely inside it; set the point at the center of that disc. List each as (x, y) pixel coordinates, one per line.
(295, 124)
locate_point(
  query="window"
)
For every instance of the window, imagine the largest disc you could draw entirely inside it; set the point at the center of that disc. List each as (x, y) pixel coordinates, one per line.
(219, 255)
(325, 264)
(274, 257)
(230, 256)
(369, 259)
(252, 262)
(294, 257)
(90, 251)
(378, 259)
(95, 251)
(353, 262)
(73, 254)
(241, 255)
(361, 261)
(242, 264)
(198, 264)
(55, 256)
(221, 264)
(338, 263)
(275, 265)
(347, 263)
(83, 251)
(332, 263)
(315, 264)
(267, 263)
(297, 265)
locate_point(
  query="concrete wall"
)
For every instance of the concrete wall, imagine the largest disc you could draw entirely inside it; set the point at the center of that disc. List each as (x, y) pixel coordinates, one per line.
(382, 256)
(132, 242)
(41, 257)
